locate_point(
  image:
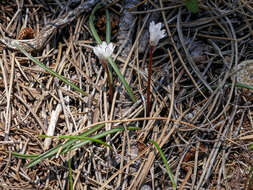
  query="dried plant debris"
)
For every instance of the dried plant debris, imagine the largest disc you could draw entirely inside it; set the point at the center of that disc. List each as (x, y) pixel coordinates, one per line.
(101, 25)
(48, 31)
(245, 73)
(202, 123)
(125, 25)
(26, 33)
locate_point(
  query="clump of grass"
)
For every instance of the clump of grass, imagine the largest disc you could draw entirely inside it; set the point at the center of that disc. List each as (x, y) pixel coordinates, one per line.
(109, 59)
(72, 143)
(174, 186)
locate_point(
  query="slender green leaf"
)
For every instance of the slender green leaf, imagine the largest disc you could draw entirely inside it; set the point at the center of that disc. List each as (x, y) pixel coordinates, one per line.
(70, 175)
(192, 5)
(251, 147)
(237, 85)
(100, 135)
(108, 27)
(63, 79)
(243, 86)
(88, 138)
(108, 38)
(122, 79)
(77, 138)
(91, 23)
(45, 136)
(75, 143)
(54, 150)
(24, 156)
(174, 186)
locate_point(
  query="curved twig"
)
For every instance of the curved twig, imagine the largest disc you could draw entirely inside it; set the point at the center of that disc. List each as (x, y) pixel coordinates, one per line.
(49, 30)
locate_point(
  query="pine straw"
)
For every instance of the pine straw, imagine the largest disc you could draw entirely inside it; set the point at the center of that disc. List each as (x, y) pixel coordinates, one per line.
(203, 125)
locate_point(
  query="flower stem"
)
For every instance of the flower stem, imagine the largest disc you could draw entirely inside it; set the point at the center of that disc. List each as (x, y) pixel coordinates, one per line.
(108, 79)
(149, 80)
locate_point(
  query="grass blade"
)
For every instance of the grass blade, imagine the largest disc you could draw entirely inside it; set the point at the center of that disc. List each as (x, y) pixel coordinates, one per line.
(78, 138)
(108, 38)
(75, 143)
(108, 27)
(100, 135)
(237, 84)
(24, 156)
(63, 79)
(122, 79)
(166, 164)
(91, 23)
(192, 5)
(70, 175)
(54, 150)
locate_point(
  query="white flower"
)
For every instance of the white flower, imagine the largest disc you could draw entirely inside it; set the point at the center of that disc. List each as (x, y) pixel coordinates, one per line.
(104, 50)
(155, 33)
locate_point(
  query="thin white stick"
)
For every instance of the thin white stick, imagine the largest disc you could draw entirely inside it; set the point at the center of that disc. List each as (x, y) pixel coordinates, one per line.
(51, 128)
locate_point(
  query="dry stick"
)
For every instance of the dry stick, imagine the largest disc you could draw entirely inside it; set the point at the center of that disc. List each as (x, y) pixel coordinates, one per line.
(104, 62)
(20, 160)
(188, 56)
(134, 45)
(20, 6)
(183, 63)
(194, 178)
(55, 114)
(122, 158)
(188, 175)
(227, 75)
(128, 159)
(234, 54)
(5, 79)
(133, 120)
(212, 156)
(149, 79)
(65, 110)
(122, 169)
(163, 140)
(32, 112)
(8, 95)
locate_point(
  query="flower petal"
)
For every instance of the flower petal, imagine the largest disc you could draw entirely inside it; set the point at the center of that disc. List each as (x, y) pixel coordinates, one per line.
(156, 33)
(104, 50)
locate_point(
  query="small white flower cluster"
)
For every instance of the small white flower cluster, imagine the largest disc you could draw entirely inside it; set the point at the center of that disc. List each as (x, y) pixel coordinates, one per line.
(155, 33)
(104, 50)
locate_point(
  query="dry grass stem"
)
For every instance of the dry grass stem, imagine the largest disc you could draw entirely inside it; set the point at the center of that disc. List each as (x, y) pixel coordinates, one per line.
(201, 111)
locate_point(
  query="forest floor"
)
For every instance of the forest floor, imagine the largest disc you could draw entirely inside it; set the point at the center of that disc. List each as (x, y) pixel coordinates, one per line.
(201, 96)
